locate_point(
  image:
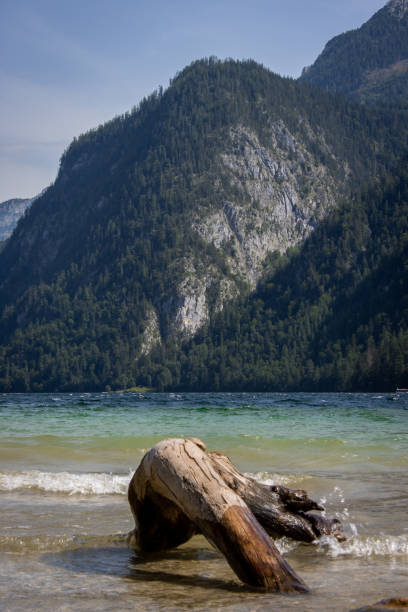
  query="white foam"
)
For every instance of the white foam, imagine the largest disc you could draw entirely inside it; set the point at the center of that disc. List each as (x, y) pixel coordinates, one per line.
(285, 546)
(100, 484)
(65, 482)
(369, 546)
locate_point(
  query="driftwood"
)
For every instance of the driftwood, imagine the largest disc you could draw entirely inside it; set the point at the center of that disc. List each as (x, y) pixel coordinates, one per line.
(180, 490)
(395, 604)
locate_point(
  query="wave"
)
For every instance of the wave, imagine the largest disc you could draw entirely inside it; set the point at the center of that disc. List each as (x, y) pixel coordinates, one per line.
(285, 480)
(100, 484)
(65, 482)
(365, 546)
(71, 483)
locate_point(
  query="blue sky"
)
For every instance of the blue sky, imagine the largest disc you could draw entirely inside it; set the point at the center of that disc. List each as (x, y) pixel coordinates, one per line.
(68, 65)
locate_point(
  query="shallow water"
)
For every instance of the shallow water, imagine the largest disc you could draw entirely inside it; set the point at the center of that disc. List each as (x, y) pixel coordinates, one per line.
(66, 460)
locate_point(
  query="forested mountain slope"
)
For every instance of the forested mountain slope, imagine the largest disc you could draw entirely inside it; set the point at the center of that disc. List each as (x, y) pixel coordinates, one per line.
(160, 218)
(333, 316)
(369, 64)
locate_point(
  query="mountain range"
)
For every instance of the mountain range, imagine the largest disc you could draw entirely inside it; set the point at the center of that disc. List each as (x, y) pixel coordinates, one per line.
(239, 230)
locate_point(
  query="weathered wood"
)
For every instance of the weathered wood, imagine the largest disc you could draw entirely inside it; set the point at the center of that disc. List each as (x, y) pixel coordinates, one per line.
(179, 490)
(395, 604)
(279, 510)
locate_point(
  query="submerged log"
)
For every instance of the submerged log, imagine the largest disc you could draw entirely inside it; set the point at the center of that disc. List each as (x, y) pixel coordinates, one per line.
(180, 490)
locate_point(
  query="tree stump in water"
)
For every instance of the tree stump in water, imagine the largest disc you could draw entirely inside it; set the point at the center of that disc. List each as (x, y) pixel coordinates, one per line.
(179, 490)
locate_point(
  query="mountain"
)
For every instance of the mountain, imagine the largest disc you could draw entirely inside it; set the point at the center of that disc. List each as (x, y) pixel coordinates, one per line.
(369, 64)
(165, 218)
(10, 213)
(332, 316)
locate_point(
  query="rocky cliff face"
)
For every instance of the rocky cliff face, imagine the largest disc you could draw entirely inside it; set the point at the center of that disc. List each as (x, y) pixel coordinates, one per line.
(10, 213)
(283, 193)
(284, 190)
(203, 290)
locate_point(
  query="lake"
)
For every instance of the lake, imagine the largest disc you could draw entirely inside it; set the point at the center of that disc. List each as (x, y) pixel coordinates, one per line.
(66, 461)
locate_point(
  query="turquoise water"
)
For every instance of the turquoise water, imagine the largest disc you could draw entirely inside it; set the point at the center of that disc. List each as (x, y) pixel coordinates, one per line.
(358, 429)
(66, 460)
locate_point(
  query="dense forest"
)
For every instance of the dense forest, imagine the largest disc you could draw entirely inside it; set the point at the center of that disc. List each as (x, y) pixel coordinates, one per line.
(104, 245)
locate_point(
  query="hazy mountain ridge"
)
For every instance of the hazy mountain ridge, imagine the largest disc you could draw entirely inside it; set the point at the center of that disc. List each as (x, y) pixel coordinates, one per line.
(10, 213)
(368, 64)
